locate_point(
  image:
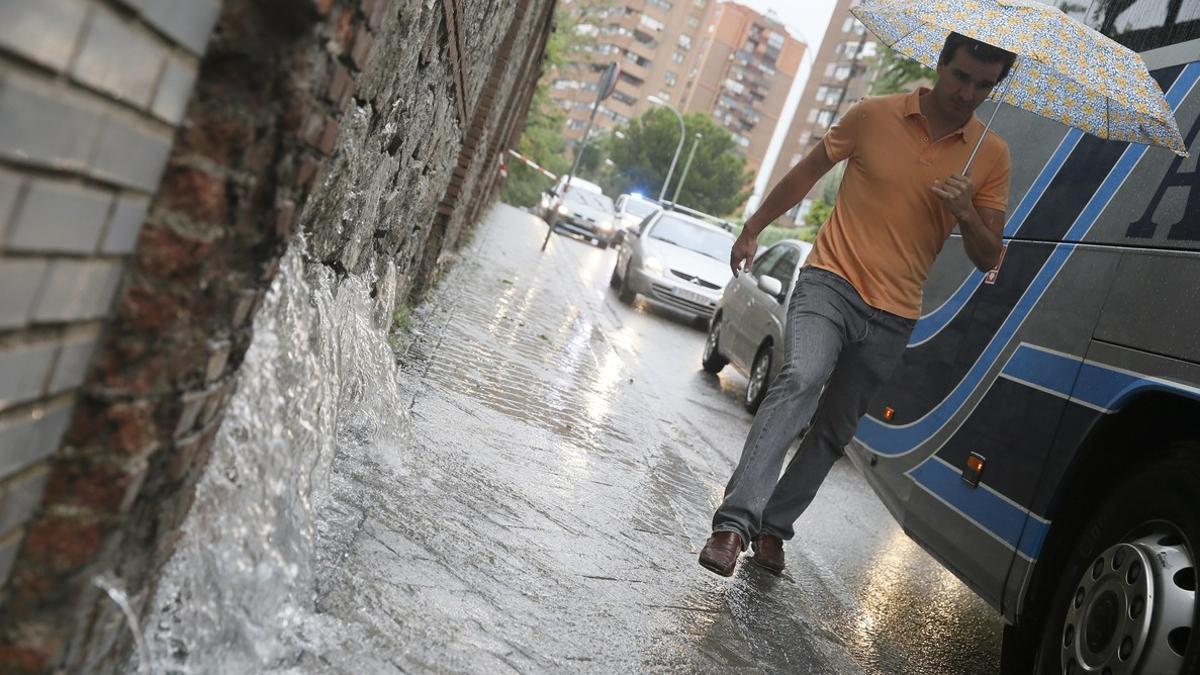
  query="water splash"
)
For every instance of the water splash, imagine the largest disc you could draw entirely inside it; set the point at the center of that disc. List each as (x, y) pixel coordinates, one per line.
(319, 379)
(120, 597)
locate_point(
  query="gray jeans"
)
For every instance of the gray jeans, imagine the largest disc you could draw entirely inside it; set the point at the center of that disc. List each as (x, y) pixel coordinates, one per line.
(835, 342)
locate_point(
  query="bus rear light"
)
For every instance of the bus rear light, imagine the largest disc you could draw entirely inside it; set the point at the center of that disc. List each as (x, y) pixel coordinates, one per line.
(888, 414)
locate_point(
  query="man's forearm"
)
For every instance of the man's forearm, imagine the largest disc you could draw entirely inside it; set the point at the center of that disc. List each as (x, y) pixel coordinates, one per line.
(981, 244)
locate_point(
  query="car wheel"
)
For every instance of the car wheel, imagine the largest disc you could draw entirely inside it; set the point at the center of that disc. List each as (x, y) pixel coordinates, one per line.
(602, 243)
(624, 293)
(614, 279)
(712, 361)
(1125, 600)
(760, 372)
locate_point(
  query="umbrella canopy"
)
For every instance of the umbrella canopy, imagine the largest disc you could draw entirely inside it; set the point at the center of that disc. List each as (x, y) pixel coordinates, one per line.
(1064, 71)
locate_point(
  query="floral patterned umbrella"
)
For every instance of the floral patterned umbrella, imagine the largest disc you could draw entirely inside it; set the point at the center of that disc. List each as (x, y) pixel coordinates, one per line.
(1064, 70)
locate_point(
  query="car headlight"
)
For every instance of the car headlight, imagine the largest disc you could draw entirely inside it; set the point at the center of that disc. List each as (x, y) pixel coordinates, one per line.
(654, 265)
(564, 209)
(604, 225)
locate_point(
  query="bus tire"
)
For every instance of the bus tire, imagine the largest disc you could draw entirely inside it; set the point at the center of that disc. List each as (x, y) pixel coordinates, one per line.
(1135, 560)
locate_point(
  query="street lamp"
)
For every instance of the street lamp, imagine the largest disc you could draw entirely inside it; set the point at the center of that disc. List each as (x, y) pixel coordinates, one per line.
(682, 132)
(686, 165)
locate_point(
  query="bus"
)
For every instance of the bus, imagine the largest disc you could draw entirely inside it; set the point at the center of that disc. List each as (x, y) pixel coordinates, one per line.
(1041, 437)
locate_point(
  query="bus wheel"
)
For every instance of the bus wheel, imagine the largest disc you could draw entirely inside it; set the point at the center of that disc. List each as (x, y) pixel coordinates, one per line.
(1125, 603)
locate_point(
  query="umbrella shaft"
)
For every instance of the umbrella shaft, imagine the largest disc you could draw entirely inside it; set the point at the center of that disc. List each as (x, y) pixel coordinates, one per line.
(999, 101)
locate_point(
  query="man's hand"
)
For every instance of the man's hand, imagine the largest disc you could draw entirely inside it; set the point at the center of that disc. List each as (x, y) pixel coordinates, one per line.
(743, 251)
(956, 193)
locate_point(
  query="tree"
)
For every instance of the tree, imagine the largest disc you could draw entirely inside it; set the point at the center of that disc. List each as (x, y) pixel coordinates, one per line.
(717, 182)
(896, 72)
(542, 138)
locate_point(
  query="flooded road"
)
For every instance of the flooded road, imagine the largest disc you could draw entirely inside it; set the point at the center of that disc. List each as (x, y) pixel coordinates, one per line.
(565, 456)
(529, 493)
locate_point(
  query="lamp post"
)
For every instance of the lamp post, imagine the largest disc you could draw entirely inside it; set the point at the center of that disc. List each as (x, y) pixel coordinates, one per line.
(686, 165)
(682, 132)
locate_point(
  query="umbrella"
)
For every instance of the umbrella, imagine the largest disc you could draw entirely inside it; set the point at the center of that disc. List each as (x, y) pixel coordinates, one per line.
(1064, 70)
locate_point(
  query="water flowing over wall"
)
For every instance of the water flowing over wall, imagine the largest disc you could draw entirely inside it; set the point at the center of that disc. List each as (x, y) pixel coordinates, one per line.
(319, 379)
(193, 141)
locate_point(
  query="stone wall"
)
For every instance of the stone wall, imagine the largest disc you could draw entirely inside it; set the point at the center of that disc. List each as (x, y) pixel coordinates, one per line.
(156, 158)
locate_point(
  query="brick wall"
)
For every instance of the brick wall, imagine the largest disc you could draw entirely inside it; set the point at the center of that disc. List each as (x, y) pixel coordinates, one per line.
(156, 157)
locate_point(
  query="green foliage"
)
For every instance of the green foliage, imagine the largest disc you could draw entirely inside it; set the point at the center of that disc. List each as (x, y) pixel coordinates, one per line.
(542, 138)
(818, 212)
(775, 233)
(542, 141)
(717, 182)
(897, 72)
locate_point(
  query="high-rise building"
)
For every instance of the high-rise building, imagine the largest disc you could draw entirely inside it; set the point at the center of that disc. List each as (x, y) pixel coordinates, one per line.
(743, 72)
(841, 74)
(653, 41)
(721, 58)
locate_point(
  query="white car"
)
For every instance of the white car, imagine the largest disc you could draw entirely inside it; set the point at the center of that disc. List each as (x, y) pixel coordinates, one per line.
(748, 326)
(675, 260)
(632, 209)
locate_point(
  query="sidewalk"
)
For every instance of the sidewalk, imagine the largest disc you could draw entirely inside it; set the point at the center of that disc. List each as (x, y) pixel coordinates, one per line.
(546, 510)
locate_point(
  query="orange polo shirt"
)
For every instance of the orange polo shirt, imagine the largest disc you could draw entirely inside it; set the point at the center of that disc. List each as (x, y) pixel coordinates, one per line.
(887, 225)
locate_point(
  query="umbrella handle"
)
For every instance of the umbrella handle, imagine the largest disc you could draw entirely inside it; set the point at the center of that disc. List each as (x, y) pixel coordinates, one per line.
(988, 126)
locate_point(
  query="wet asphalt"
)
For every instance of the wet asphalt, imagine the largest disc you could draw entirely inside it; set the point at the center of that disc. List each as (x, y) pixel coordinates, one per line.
(543, 513)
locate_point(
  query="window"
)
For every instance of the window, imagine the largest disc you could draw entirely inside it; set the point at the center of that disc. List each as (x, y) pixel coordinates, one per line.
(829, 69)
(651, 23)
(784, 266)
(623, 97)
(776, 40)
(685, 42)
(1146, 24)
(812, 115)
(663, 5)
(677, 57)
(822, 91)
(825, 118)
(768, 259)
(693, 21)
(842, 72)
(671, 78)
(833, 96)
(847, 24)
(868, 50)
(699, 3)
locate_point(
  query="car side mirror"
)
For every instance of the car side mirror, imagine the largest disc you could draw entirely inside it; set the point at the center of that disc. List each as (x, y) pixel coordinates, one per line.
(770, 285)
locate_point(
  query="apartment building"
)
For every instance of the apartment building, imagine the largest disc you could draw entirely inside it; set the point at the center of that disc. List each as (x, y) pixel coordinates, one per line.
(841, 74)
(743, 72)
(721, 58)
(654, 41)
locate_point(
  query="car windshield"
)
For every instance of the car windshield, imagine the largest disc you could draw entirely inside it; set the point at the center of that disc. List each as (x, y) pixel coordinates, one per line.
(589, 199)
(639, 208)
(694, 237)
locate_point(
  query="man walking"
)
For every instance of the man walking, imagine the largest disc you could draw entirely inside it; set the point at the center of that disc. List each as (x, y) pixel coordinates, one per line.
(857, 299)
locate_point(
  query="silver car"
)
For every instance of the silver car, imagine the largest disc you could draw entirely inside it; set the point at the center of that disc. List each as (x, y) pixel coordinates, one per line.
(747, 328)
(675, 260)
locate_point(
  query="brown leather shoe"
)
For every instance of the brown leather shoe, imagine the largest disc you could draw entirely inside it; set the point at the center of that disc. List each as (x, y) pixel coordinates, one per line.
(721, 552)
(768, 553)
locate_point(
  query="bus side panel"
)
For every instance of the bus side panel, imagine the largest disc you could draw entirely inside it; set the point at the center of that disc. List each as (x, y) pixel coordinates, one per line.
(1009, 419)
